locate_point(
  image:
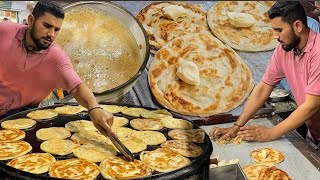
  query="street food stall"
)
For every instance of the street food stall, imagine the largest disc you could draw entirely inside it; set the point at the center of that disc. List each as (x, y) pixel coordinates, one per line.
(137, 100)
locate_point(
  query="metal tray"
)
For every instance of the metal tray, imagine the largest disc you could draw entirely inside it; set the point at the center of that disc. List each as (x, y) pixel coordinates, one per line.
(230, 172)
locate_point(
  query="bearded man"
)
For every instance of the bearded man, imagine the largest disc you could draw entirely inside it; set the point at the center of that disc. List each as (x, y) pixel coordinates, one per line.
(32, 65)
(296, 58)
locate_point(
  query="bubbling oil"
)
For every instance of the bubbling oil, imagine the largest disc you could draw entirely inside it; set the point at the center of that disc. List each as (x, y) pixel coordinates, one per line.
(103, 51)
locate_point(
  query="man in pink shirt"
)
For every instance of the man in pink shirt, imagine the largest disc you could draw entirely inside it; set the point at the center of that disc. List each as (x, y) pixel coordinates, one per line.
(297, 58)
(32, 65)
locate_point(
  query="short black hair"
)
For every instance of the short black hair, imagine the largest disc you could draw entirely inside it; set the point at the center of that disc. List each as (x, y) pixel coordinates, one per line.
(290, 11)
(5, 18)
(48, 6)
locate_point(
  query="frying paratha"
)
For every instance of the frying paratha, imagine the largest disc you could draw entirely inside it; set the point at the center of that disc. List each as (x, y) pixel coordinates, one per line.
(134, 144)
(80, 125)
(190, 135)
(112, 108)
(21, 123)
(267, 155)
(225, 79)
(53, 133)
(89, 137)
(42, 114)
(9, 135)
(74, 169)
(69, 110)
(228, 21)
(186, 149)
(119, 121)
(58, 146)
(94, 153)
(36, 163)
(146, 124)
(161, 29)
(175, 123)
(117, 168)
(150, 137)
(10, 150)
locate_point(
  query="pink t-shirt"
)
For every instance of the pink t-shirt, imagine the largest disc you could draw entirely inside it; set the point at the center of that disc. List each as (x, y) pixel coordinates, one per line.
(302, 73)
(26, 79)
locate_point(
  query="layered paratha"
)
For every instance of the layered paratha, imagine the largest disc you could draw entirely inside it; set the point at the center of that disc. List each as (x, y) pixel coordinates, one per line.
(42, 114)
(190, 135)
(118, 168)
(161, 26)
(69, 110)
(163, 160)
(89, 137)
(252, 171)
(9, 135)
(146, 124)
(94, 153)
(273, 173)
(134, 144)
(10, 150)
(53, 133)
(74, 169)
(58, 146)
(221, 78)
(186, 149)
(150, 137)
(21, 123)
(243, 25)
(80, 125)
(119, 121)
(36, 163)
(267, 155)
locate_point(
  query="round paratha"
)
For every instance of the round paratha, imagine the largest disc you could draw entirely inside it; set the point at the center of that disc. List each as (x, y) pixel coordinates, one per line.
(10, 150)
(175, 123)
(273, 173)
(9, 135)
(252, 171)
(117, 168)
(80, 125)
(21, 123)
(53, 133)
(94, 153)
(42, 114)
(267, 155)
(224, 78)
(186, 149)
(36, 163)
(58, 146)
(146, 124)
(69, 110)
(228, 21)
(189, 135)
(150, 137)
(161, 29)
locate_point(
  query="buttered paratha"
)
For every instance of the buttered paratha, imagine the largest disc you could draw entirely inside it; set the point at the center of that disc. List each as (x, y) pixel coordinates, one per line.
(118, 168)
(243, 25)
(42, 114)
(53, 133)
(21, 123)
(252, 171)
(267, 155)
(186, 149)
(164, 21)
(163, 160)
(146, 124)
(10, 150)
(74, 169)
(190, 135)
(273, 173)
(9, 135)
(36, 163)
(221, 79)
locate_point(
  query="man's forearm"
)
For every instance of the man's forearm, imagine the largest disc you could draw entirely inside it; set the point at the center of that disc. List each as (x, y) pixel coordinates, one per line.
(84, 96)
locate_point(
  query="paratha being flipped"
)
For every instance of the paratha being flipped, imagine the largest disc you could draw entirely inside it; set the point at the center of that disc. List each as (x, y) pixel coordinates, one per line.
(243, 25)
(224, 78)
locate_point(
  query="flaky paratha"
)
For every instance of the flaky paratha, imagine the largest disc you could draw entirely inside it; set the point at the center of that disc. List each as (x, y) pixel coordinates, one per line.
(21, 123)
(36, 163)
(10, 150)
(42, 114)
(74, 169)
(225, 80)
(190, 135)
(267, 155)
(146, 124)
(113, 108)
(53, 133)
(89, 137)
(58, 146)
(9, 135)
(161, 29)
(186, 149)
(163, 160)
(69, 110)
(94, 153)
(119, 121)
(273, 173)
(122, 131)
(252, 171)
(134, 144)
(80, 125)
(257, 37)
(175, 123)
(118, 168)
(150, 137)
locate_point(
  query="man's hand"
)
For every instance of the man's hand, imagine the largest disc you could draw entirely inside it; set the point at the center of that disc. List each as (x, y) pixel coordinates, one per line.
(256, 133)
(224, 133)
(102, 120)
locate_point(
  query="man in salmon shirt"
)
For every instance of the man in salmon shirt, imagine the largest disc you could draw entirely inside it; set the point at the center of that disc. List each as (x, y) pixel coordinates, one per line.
(32, 65)
(296, 58)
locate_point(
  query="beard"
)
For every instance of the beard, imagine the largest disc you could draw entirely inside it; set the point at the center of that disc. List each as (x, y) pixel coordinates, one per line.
(295, 40)
(37, 41)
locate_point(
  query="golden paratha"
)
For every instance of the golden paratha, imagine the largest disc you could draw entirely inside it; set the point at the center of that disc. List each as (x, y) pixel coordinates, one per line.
(134, 144)
(10, 150)
(132, 111)
(122, 131)
(273, 173)
(42, 114)
(146, 124)
(69, 110)
(80, 125)
(112, 108)
(74, 169)
(252, 171)
(163, 160)
(118, 168)
(243, 25)
(36, 163)
(150, 137)
(9, 135)
(221, 78)
(190, 135)
(89, 137)
(186, 149)
(58, 146)
(53, 133)
(267, 155)
(21, 123)
(119, 121)
(161, 26)
(156, 114)
(175, 123)
(94, 153)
